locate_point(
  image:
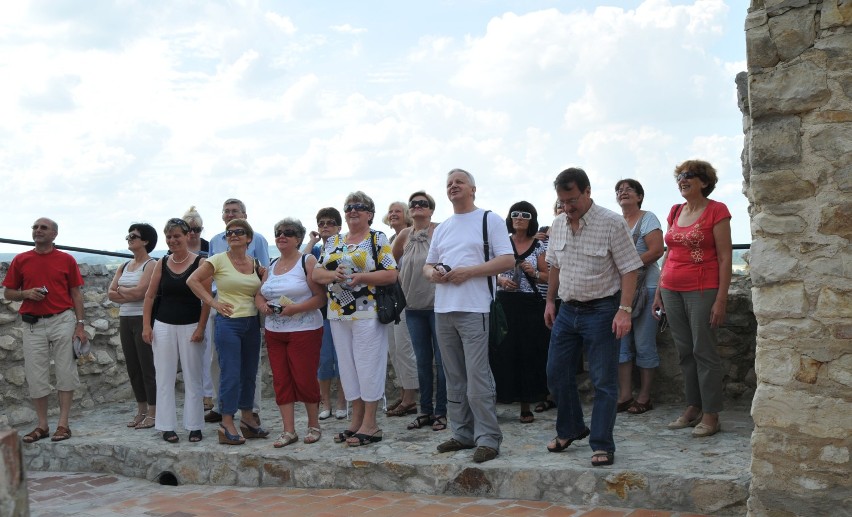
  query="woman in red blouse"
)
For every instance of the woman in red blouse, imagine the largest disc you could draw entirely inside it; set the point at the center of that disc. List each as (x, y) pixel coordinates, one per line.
(694, 292)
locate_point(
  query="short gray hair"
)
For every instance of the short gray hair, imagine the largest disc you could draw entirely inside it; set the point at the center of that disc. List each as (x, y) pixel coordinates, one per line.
(469, 176)
(235, 201)
(289, 222)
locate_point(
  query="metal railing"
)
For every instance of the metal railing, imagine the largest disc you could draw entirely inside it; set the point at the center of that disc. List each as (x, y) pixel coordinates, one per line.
(71, 248)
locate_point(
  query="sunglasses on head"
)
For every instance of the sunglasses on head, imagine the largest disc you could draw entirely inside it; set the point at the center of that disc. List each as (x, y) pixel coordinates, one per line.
(687, 175)
(520, 215)
(325, 222)
(180, 223)
(239, 232)
(132, 237)
(418, 203)
(358, 207)
(286, 233)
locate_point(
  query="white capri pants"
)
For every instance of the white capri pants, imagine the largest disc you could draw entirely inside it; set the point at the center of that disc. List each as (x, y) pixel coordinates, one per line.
(362, 357)
(169, 343)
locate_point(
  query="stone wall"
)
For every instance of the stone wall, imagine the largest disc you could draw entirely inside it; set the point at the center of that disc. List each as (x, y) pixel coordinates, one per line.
(13, 488)
(797, 104)
(105, 379)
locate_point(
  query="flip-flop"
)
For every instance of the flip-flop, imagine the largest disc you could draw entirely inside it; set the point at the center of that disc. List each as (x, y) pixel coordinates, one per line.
(359, 439)
(440, 423)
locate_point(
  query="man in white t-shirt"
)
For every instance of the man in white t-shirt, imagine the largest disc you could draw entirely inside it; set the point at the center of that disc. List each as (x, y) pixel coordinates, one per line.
(456, 263)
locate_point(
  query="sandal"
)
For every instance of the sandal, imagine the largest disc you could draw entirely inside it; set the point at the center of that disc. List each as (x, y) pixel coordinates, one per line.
(608, 458)
(527, 417)
(393, 406)
(440, 423)
(62, 433)
(146, 423)
(559, 446)
(359, 439)
(171, 436)
(35, 435)
(138, 419)
(403, 409)
(250, 432)
(638, 407)
(285, 439)
(226, 438)
(544, 405)
(314, 435)
(195, 436)
(624, 406)
(343, 436)
(421, 421)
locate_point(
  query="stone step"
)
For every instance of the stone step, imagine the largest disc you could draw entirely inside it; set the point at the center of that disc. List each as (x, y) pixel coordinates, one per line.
(654, 468)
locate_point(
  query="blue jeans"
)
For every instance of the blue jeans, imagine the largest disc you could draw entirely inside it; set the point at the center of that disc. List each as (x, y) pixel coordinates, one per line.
(238, 345)
(424, 339)
(577, 329)
(328, 357)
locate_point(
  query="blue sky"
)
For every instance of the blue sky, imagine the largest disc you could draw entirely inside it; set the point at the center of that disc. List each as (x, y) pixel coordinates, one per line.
(123, 111)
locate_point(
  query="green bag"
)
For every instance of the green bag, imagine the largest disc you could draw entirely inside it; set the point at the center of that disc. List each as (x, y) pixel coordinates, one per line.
(497, 325)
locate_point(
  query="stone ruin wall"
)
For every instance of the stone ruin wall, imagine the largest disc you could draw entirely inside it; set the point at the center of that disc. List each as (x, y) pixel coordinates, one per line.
(105, 379)
(796, 100)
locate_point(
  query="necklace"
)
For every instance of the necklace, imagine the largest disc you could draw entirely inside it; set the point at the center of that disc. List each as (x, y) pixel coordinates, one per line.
(176, 261)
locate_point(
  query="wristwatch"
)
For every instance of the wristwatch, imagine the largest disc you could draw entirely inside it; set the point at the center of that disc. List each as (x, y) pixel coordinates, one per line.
(626, 308)
(81, 322)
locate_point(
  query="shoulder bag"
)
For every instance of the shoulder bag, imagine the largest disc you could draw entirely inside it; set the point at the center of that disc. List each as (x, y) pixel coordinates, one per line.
(390, 300)
(498, 327)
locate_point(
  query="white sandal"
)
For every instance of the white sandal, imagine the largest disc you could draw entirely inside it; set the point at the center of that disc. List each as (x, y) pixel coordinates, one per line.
(314, 435)
(285, 439)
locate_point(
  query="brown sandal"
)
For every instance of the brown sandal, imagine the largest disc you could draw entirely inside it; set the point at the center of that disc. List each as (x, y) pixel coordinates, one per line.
(62, 433)
(403, 409)
(637, 408)
(35, 435)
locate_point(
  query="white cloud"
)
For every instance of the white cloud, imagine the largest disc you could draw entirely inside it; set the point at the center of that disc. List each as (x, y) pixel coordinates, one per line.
(282, 22)
(348, 29)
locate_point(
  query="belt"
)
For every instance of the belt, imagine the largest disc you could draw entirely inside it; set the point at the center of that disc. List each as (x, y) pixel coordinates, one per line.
(588, 303)
(42, 316)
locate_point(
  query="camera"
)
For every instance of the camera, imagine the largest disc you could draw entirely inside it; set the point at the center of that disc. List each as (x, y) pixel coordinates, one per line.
(43, 290)
(659, 313)
(275, 307)
(442, 268)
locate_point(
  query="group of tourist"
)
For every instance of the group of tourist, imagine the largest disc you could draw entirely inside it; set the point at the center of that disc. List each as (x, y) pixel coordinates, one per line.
(587, 286)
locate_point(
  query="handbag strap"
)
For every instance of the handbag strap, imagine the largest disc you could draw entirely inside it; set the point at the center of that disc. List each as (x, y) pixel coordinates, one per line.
(486, 248)
(638, 228)
(523, 256)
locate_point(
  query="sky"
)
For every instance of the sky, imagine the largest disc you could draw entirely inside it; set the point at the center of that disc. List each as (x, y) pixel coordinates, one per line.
(113, 112)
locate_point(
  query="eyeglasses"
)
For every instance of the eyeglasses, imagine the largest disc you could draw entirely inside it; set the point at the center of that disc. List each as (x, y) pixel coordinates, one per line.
(286, 233)
(235, 211)
(239, 232)
(178, 222)
(41, 227)
(326, 222)
(358, 207)
(418, 203)
(625, 190)
(195, 229)
(687, 175)
(132, 237)
(572, 202)
(520, 215)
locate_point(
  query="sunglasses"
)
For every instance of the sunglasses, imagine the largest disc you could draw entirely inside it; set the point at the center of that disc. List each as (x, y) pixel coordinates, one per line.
(239, 232)
(418, 203)
(520, 215)
(286, 233)
(687, 175)
(178, 222)
(195, 229)
(358, 207)
(41, 227)
(132, 237)
(324, 223)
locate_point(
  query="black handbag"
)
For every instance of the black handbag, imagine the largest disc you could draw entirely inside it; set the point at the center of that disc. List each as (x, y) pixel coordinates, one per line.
(390, 300)
(498, 327)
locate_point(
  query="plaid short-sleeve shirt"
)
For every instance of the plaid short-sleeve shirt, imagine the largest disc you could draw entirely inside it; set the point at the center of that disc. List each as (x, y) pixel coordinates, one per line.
(592, 260)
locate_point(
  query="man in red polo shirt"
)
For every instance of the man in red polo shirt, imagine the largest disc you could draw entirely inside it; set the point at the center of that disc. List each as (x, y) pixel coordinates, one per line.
(48, 282)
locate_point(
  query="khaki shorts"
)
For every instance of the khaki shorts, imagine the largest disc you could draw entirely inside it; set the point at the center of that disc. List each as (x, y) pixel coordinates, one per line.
(46, 339)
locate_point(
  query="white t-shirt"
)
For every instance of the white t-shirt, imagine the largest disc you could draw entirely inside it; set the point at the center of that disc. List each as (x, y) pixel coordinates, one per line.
(457, 242)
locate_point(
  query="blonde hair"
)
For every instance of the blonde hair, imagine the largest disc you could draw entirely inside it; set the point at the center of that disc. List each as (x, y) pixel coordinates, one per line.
(192, 215)
(406, 215)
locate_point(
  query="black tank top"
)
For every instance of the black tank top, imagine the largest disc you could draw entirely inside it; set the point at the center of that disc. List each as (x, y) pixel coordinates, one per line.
(178, 304)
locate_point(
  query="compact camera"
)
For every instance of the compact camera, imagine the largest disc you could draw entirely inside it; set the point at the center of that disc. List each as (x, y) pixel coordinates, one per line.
(43, 290)
(275, 307)
(442, 268)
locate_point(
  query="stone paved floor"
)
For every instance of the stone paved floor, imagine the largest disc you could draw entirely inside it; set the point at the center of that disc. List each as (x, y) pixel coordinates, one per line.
(655, 467)
(79, 494)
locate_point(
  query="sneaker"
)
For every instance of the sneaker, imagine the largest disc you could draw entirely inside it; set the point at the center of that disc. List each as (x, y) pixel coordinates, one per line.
(212, 416)
(340, 414)
(452, 445)
(483, 454)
